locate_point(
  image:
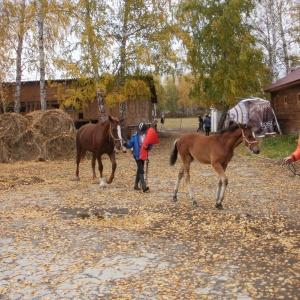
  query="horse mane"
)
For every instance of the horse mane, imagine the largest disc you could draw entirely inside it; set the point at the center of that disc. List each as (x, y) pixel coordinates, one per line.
(231, 128)
(234, 126)
(103, 120)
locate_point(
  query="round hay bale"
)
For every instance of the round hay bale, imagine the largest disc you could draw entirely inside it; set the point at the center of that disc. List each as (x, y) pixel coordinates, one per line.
(34, 116)
(4, 153)
(29, 146)
(60, 147)
(55, 122)
(12, 126)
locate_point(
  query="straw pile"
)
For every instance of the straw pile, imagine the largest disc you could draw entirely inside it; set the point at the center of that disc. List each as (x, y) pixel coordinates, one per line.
(40, 135)
(52, 123)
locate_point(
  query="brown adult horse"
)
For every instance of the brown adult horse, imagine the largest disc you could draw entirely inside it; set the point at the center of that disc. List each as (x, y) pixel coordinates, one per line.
(100, 138)
(217, 150)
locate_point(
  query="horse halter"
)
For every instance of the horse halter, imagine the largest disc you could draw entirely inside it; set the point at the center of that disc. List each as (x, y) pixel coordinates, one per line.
(246, 140)
(111, 135)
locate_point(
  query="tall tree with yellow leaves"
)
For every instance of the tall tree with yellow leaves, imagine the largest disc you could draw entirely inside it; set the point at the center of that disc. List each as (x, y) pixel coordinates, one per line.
(121, 38)
(142, 32)
(52, 18)
(222, 52)
(16, 18)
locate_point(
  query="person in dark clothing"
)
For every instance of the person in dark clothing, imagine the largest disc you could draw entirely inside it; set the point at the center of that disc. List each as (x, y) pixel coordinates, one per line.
(162, 123)
(207, 124)
(200, 121)
(136, 142)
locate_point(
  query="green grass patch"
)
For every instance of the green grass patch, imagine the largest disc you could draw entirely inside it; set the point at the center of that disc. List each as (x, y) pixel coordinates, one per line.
(278, 147)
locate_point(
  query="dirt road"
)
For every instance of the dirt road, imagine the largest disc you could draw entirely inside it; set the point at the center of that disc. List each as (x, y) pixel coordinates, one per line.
(62, 239)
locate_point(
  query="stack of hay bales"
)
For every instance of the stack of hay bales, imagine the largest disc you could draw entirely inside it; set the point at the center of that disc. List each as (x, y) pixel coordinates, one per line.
(40, 135)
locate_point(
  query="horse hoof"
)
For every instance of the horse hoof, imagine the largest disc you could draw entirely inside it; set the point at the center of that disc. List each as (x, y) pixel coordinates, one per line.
(102, 183)
(174, 198)
(195, 202)
(219, 206)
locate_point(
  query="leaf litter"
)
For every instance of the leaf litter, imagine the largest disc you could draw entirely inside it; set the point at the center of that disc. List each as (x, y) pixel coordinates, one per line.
(55, 245)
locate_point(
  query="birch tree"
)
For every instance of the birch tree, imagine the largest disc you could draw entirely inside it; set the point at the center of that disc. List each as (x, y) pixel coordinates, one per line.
(53, 20)
(94, 45)
(91, 50)
(40, 25)
(274, 24)
(118, 39)
(142, 33)
(16, 17)
(5, 60)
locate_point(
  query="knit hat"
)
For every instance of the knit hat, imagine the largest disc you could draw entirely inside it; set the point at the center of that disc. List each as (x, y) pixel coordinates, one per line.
(142, 127)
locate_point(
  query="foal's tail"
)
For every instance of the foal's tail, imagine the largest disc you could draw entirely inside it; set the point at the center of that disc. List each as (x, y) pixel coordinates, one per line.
(174, 153)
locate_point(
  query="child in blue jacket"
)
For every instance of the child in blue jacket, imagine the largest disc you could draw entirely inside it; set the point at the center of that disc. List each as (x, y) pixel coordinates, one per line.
(136, 142)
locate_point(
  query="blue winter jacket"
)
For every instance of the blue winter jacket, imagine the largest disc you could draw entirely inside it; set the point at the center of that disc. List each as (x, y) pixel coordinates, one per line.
(134, 143)
(207, 122)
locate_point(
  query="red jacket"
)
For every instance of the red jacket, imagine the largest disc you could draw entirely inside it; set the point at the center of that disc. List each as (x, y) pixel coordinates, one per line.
(296, 155)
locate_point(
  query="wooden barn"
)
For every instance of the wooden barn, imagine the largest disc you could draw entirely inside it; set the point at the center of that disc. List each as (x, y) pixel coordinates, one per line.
(285, 100)
(138, 110)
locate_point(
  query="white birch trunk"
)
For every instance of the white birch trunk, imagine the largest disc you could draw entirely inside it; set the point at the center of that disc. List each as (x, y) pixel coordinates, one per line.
(91, 35)
(283, 37)
(40, 21)
(100, 104)
(273, 18)
(21, 30)
(122, 71)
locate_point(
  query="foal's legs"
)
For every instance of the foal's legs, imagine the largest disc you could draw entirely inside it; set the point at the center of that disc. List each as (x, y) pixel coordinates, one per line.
(222, 184)
(219, 188)
(186, 167)
(180, 175)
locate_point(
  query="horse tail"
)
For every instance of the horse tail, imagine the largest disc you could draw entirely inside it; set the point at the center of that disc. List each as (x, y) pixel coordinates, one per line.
(174, 154)
(80, 151)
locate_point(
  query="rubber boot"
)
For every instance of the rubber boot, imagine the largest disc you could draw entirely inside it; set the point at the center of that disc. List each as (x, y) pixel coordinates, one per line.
(136, 184)
(142, 180)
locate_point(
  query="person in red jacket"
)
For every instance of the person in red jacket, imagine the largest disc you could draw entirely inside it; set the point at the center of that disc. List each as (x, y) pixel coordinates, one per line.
(295, 155)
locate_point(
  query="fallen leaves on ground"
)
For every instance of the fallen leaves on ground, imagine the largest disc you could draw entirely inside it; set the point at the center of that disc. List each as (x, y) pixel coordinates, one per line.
(64, 235)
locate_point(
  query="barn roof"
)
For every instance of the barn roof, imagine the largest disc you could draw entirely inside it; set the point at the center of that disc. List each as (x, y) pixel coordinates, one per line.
(289, 80)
